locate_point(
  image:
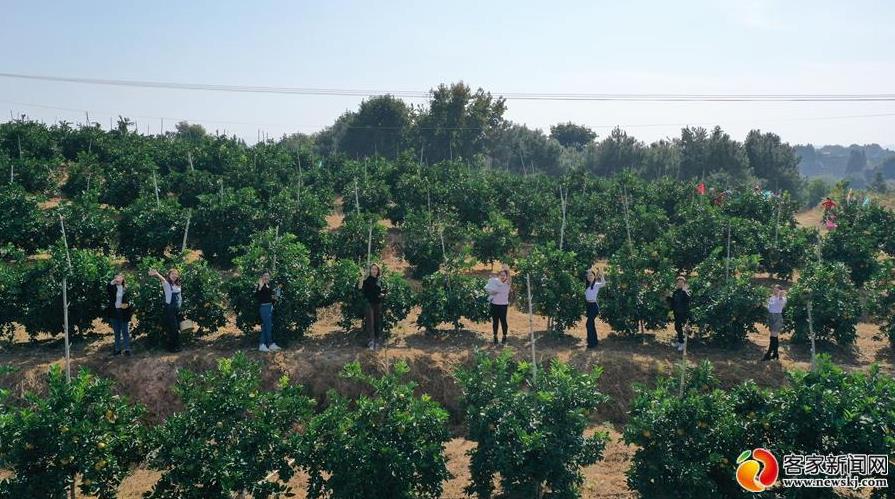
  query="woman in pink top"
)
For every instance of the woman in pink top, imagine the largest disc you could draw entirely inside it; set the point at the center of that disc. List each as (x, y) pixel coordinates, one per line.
(498, 290)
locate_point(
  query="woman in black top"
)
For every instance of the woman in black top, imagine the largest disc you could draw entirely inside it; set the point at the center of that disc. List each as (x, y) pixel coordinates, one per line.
(373, 293)
(119, 312)
(679, 301)
(265, 296)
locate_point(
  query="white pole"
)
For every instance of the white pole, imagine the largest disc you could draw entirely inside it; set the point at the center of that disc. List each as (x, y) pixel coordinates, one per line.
(276, 239)
(727, 262)
(65, 303)
(562, 228)
(777, 222)
(683, 365)
(369, 243)
(155, 184)
(356, 198)
(627, 221)
(186, 230)
(189, 157)
(531, 330)
(811, 335)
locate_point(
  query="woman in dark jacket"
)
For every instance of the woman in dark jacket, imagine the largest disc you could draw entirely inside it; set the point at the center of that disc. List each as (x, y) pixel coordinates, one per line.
(373, 293)
(171, 288)
(679, 301)
(265, 295)
(119, 311)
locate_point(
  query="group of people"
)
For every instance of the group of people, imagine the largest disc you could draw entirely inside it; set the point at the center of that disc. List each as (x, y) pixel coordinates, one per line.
(374, 292)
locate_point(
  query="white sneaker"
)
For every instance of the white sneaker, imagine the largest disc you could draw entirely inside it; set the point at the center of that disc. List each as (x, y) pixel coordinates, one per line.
(274, 348)
(371, 345)
(680, 347)
(263, 348)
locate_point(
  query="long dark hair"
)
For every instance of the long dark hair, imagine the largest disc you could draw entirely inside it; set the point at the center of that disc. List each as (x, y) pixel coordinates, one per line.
(168, 277)
(590, 284)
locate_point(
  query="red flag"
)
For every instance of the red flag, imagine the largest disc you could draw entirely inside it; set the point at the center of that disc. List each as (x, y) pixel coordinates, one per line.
(701, 188)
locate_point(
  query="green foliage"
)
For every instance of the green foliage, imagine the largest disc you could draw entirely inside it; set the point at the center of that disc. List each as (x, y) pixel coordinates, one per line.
(836, 305)
(726, 309)
(448, 296)
(389, 444)
(23, 223)
(855, 247)
(225, 221)
(87, 223)
(572, 135)
(685, 444)
(881, 303)
(529, 429)
(42, 310)
(12, 280)
(350, 240)
(147, 229)
(637, 283)
(303, 286)
(203, 296)
(689, 241)
(423, 233)
(493, 239)
(556, 286)
(78, 429)
(230, 435)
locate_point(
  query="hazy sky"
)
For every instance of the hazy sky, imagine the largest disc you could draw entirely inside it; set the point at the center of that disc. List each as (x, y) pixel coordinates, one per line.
(709, 46)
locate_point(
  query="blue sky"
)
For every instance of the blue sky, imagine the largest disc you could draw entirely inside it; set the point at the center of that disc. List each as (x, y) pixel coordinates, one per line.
(750, 46)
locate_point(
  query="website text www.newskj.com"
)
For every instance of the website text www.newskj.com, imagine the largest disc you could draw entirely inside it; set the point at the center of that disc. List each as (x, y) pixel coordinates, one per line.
(844, 482)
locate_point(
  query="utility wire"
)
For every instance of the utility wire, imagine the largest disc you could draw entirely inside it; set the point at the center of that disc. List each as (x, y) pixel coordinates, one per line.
(635, 97)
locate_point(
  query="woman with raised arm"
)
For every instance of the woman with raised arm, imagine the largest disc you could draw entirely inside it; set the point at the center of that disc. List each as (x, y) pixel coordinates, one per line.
(498, 289)
(265, 295)
(119, 311)
(594, 282)
(775, 321)
(171, 287)
(373, 292)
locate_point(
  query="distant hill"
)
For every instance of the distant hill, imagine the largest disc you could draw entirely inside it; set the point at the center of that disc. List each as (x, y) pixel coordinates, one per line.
(859, 163)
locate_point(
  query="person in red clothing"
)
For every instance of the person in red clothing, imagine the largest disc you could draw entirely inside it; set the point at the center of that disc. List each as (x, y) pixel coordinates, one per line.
(828, 206)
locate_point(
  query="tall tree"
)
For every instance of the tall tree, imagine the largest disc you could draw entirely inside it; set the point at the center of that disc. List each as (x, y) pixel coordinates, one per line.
(614, 153)
(459, 123)
(520, 149)
(572, 135)
(773, 160)
(380, 126)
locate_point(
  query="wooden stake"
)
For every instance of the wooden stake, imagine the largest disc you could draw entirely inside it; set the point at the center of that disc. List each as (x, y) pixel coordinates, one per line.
(531, 330)
(684, 363)
(186, 230)
(189, 157)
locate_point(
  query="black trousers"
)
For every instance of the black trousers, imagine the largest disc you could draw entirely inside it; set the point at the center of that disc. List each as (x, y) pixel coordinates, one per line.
(172, 324)
(772, 349)
(499, 315)
(592, 311)
(679, 322)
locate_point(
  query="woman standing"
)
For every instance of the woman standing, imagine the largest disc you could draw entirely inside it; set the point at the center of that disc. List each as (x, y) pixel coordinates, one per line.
(775, 321)
(173, 300)
(265, 296)
(119, 312)
(680, 307)
(374, 293)
(498, 290)
(595, 281)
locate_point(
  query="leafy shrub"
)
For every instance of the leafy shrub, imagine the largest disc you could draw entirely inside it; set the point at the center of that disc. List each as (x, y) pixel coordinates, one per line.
(203, 296)
(23, 223)
(699, 230)
(225, 221)
(147, 229)
(303, 286)
(423, 240)
(529, 429)
(447, 296)
(42, 304)
(12, 280)
(83, 175)
(855, 247)
(637, 283)
(87, 223)
(726, 309)
(782, 254)
(345, 277)
(350, 240)
(556, 286)
(230, 435)
(495, 239)
(77, 429)
(389, 444)
(882, 299)
(685, 444)
(835, 301)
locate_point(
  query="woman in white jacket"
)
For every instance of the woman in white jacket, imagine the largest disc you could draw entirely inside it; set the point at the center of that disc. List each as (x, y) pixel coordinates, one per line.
(595, 281)
(498, 289)
(775, 321)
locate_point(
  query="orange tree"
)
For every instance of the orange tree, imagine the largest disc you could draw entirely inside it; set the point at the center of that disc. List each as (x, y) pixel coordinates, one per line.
(638, 280)
(231, 436)
(385, 445)
(529, 429)
(78, 429)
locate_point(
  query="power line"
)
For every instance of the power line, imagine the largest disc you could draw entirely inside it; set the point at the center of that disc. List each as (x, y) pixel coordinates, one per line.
(632, 97)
